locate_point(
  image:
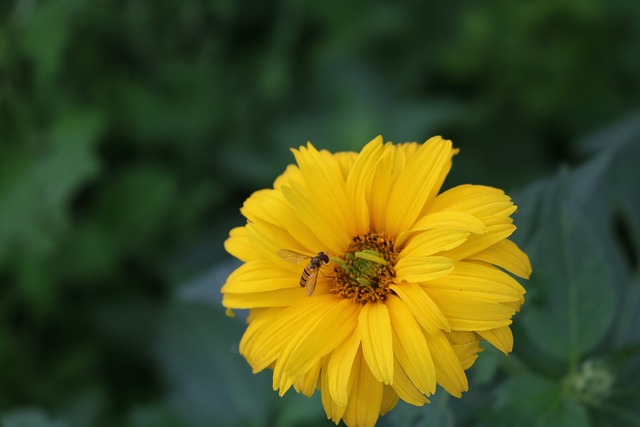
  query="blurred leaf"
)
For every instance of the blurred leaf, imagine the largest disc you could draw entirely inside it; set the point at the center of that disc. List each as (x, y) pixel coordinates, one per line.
(529, 400)
(154, 416)
(29, 418)
(135, 203)
(211, 384)
(576, 304)
(38, 186)
(297, 410)
(437, 413)
(43, 23)
(485, 367)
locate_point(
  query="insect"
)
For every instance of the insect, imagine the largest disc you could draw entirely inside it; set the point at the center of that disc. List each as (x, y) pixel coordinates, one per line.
(310, 273)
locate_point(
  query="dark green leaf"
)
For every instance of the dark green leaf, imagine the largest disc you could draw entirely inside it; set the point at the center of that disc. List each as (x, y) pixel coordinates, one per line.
(211, 384)
(574, 298)
(29, 418)
(436, 413)
(529, 400)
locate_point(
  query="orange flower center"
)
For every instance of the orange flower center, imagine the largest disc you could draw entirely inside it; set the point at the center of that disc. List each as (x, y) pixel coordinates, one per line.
(366, 270)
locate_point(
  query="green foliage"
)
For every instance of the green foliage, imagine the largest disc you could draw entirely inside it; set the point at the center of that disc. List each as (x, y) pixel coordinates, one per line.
(130, 133)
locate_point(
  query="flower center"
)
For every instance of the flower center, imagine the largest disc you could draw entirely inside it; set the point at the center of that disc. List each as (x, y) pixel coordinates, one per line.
(366, 271)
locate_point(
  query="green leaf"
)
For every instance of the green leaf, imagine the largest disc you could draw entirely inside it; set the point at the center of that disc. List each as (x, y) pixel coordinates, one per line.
(211, 384)
(573, 303)
(38, 186)
(437, 413)
(136, 203)
(29, 418)
(529, 400)
(154, 416)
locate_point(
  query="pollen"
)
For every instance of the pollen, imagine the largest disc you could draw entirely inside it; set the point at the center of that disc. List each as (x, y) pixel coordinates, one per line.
(366, 271)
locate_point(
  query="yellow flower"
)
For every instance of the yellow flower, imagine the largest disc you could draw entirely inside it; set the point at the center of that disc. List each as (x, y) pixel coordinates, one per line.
(414, 279)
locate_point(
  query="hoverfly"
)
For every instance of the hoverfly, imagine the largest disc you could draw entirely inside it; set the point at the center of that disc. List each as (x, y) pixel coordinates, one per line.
(310, 273)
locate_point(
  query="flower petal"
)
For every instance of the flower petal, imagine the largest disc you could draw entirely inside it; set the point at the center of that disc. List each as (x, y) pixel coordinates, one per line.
(417, 182)
(259, 276)
(481, 279)
(389, 399)
(405, 388)
(365, 398)
(306, 384)
(359, 182)
(334, 411)
(388, 169)
(430, 242)
(410, 348)
(276, 298)
(422, 268)
(449, 372)
(422, 307)
(239, 246)
(449, 220)
(507, 255)
(501, 338)
(337, 323)
(334, 239)
(269, 333)
(377, 342)
(468, 311)
(326, 186)
(339, 368)
(466, 345)
(479, 242)
(478, 200)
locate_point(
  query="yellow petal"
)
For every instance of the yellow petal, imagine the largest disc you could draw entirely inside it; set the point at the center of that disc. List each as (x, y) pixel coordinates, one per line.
(410, 347)
(326, 187)
(466, 345)
(507, 255)
(271, 330)
(422, 268)
(416, 183)
(239, 246)
(501, 338)
(306, 384)
(324, 335)
(277, 298)
(268, 239)
(449, 372)
(339, 368)
(422, 307)
(481, 279)
(346, 160)
(385, 175)
(405, 388)
(259, 276)
(365, 398)
(468, 311)
(478, 200)
(317, 309)
(291, 174)
(331, 408)
(389, 399)
(478, 242)
(449, 220)
(374, 327)
(266, 212)
(359, 182)
(430, 242)
(320, 219)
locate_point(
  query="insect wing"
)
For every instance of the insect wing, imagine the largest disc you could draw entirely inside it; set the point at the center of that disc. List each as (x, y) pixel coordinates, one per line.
(293, 257)
(311, 283)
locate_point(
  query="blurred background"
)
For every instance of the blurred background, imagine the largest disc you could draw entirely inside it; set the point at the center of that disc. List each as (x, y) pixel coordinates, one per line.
(132, 131)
